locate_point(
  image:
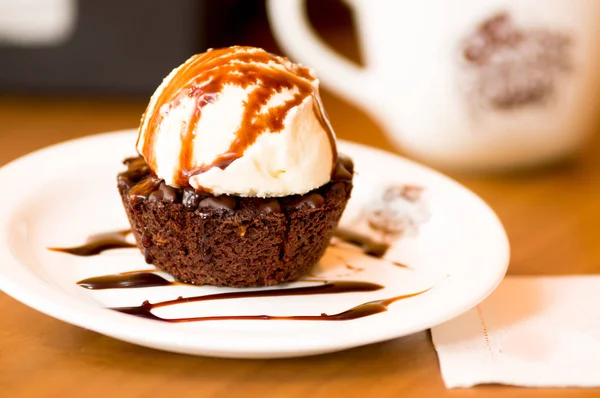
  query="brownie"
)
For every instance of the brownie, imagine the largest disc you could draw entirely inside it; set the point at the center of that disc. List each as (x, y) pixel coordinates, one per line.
(228, 240)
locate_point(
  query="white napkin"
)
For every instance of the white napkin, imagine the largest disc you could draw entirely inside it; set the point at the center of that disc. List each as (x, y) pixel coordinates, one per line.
(532, 331)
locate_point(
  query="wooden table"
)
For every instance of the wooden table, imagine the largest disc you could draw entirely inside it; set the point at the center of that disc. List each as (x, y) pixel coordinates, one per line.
(551, 216)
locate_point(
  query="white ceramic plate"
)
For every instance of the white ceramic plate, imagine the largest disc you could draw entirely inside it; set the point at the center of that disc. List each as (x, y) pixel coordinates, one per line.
(454, 245)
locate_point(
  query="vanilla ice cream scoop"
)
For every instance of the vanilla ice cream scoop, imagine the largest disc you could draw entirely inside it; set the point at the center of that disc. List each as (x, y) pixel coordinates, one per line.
(239, 121)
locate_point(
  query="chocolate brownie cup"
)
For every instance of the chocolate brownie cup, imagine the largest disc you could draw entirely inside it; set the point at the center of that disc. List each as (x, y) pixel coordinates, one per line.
(232, 241)
(239, 182)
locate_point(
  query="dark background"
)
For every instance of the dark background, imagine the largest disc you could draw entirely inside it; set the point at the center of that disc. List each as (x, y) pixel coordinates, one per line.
(127, 47)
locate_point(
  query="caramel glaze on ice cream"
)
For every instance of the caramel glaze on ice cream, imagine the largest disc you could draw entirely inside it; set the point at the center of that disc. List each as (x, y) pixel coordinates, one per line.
(203, 77)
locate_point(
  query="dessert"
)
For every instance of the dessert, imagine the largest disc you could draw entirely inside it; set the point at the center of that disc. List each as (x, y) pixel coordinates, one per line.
(238, 182)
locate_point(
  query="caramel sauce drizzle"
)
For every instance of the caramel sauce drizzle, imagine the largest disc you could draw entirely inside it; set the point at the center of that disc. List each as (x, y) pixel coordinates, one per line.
(203, 78)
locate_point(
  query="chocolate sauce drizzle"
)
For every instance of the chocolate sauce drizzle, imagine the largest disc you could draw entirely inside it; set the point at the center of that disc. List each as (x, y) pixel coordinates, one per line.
(146, 278)
(99, 243)
(126, 280)
(332, 287)
(360, 311)
(369, 246)
(202, 78)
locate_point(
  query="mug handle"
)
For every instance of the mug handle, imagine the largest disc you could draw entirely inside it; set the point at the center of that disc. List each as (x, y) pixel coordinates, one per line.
(289, 22)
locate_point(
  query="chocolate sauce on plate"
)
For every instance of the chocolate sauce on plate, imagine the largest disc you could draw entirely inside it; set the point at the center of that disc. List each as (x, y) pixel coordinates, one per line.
(146, 278)
(333, 287)
(97, 244)
(368, 245)
(126, 280)
(360, 311)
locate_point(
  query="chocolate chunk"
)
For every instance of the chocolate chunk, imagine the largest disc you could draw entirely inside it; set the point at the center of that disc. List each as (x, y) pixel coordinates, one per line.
(134, 162)
(132, 177)
(146, 241)
(347, 162)
(343, 170)
(137, 169)
(169, 194)
(339, 187)
(148, 257)
(190, 199)
(123, 180)
(341, 173)
(218, 202)
(143, 189)
(309, 201)
(314, 200)
(155, 196)
(268, 206)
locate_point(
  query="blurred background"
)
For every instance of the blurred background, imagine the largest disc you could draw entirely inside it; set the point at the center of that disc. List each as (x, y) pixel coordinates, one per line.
(70, 68)
(124, 48)
(77, 67)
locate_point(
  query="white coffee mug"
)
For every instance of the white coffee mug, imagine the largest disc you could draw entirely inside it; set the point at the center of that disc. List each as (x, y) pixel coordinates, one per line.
(469, 84)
